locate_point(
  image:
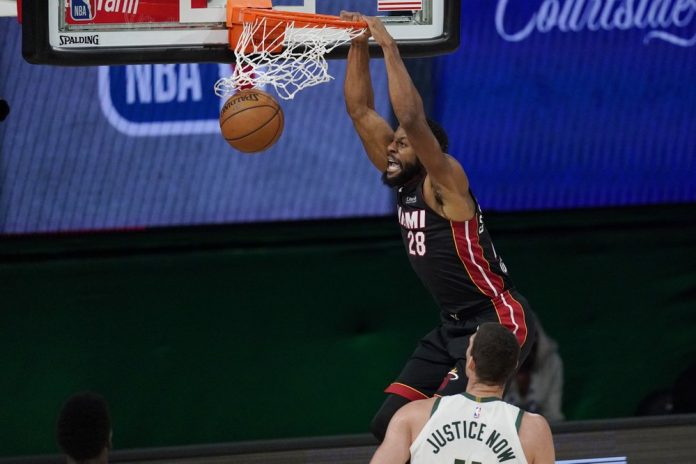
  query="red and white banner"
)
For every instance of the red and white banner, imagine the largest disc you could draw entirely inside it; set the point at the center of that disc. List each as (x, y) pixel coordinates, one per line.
(121, 11)
(396, 5)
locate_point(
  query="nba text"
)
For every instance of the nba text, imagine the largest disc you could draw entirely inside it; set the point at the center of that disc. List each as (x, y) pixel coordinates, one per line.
(163, 83)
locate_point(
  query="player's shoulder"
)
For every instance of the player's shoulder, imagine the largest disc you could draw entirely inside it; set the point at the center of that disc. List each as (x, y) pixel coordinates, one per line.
(415, 412)
(534, 423)
(418, 408)
(412, 417)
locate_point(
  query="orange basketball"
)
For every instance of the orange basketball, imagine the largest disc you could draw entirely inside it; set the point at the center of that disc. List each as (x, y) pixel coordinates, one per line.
(251, 120)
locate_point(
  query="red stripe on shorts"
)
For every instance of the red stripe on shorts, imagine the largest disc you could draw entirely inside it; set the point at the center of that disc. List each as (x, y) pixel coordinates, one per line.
(511, 315)
(405, 391)
(470, 251)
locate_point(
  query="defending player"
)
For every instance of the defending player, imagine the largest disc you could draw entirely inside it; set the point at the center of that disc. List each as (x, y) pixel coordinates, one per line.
(476, 426)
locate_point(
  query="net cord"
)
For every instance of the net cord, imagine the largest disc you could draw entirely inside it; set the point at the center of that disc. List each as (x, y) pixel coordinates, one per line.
(289, 60)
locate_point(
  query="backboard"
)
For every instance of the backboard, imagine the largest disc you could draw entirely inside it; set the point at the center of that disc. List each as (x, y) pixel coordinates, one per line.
(106, 32)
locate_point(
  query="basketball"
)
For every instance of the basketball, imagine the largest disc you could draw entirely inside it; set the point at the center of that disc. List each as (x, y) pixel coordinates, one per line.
(251, 120)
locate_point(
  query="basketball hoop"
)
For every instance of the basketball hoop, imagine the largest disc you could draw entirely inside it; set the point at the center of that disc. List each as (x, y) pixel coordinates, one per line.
(286, 50)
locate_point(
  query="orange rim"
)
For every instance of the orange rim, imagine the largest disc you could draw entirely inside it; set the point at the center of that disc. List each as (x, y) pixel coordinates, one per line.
(239, 16)
(278, 21)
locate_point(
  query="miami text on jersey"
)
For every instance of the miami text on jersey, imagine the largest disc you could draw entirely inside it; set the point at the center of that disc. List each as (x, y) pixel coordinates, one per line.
(412, 219)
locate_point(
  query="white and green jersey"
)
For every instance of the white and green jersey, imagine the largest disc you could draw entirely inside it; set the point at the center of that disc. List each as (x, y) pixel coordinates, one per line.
(464, 429)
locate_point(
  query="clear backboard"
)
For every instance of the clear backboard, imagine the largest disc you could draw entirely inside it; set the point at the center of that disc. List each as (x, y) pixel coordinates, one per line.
(105, 32)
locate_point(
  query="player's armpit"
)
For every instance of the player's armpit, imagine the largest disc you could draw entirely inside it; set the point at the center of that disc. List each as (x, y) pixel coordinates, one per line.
(449, 193)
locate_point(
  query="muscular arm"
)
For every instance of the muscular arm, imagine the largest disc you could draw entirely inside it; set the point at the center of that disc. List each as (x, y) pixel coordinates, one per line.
(536, 439)
(395, 447)
(445, 175)
(374, 132)
(403, 429)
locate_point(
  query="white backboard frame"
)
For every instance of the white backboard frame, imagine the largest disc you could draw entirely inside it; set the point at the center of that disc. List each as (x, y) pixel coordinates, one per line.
(199, 35)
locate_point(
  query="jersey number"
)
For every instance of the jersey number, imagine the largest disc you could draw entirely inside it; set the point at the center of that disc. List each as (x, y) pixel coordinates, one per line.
(462, 461)
(416, 243)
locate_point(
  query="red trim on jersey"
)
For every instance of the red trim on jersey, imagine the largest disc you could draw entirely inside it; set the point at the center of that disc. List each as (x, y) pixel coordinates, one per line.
(511, 315)
(405, 391)
(470, 251)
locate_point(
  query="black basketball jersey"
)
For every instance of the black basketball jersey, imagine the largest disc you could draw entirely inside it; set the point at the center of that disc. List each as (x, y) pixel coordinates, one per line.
(456, 261)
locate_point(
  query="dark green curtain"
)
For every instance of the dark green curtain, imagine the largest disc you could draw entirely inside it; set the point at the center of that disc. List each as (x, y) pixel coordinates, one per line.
(287, 330)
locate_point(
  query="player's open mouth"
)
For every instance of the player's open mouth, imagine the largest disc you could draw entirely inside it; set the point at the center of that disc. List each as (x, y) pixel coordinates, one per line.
(392, 165)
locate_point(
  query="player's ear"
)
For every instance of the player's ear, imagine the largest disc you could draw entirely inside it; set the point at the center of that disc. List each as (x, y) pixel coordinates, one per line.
(471, 364)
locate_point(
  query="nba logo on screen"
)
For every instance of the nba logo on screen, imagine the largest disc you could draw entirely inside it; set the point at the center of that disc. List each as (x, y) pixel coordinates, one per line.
(155, 100)
(81, 10)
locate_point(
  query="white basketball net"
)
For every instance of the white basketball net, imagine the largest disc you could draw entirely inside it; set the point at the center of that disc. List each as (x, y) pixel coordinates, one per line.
(300, 64)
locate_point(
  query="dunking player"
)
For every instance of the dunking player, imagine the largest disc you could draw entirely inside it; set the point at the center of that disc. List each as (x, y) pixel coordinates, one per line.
(441, 225)
(476, 426)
